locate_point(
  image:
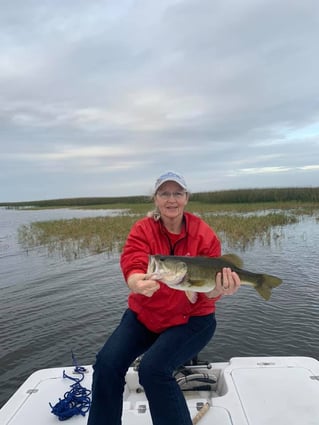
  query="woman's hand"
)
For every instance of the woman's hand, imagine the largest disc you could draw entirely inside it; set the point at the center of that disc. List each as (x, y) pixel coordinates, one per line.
(227, 283)
(141, 283)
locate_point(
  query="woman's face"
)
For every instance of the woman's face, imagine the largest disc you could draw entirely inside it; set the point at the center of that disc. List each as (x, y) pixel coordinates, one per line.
(171, 199)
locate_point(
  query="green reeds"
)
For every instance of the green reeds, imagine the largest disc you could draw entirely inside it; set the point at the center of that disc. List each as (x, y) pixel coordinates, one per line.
(78, 237)
(239, 226)
(242, 231)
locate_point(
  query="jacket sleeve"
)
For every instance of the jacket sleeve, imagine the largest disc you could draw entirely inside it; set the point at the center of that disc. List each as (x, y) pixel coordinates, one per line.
(134, 257)
(209, 244)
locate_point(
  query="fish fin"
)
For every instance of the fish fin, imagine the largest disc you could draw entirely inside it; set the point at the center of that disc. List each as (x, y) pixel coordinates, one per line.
(233, 259)
(265, 284)
(192, 296)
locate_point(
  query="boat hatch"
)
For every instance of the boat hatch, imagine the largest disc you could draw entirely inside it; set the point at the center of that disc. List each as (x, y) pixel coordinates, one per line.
(278, 395)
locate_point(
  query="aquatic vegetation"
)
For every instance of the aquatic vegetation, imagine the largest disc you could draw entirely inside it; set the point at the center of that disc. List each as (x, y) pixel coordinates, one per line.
(241, 231)
(239, 225)
(77, 237)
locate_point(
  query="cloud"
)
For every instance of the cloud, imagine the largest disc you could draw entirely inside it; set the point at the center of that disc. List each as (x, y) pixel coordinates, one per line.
(107, 91)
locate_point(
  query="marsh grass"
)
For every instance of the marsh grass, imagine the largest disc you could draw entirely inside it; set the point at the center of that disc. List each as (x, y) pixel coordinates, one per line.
(75, 238)
(243, 231)
(238, 224)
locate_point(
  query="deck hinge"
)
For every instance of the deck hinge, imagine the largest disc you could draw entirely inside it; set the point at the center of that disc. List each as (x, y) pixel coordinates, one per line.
(32, 390)
(266, 363)
(141, 408)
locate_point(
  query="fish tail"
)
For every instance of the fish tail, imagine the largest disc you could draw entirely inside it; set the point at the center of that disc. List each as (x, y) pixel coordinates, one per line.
(265, 284)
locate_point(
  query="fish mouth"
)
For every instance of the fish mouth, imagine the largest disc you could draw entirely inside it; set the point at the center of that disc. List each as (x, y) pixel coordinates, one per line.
(152, 265)
(154, 269)
(157, 269)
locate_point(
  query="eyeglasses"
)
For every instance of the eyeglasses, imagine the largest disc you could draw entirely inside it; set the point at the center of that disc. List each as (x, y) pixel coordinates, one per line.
(166, 195)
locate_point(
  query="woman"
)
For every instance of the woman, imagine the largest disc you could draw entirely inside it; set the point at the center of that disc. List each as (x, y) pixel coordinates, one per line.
(160, 323)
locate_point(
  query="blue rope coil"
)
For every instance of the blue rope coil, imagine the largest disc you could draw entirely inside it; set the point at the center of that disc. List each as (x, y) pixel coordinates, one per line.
(76, 401)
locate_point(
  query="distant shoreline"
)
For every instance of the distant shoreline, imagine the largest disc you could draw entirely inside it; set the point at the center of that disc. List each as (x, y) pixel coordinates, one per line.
(302, 194)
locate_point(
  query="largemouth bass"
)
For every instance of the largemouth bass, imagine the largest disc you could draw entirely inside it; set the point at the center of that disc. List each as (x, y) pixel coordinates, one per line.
(197, 274)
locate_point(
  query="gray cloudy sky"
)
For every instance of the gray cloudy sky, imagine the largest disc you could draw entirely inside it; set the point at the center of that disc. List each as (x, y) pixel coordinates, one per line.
(97, 98)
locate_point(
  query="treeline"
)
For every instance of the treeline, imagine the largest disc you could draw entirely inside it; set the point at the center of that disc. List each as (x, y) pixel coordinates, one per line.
(299, 194)
(79, 202)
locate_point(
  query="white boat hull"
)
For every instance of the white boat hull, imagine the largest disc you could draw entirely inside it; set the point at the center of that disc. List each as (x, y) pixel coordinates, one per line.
(249, 391)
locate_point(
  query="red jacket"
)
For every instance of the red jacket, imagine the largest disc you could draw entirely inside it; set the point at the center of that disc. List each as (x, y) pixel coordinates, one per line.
(167, 307)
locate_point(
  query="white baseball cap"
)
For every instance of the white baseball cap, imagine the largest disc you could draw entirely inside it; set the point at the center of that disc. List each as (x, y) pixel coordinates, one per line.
(170, 176)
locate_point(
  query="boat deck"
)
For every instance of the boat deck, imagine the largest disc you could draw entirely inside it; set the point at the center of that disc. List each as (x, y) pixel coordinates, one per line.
(247, 391)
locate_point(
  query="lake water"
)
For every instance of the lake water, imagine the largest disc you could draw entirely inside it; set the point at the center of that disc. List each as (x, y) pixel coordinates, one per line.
(50, 306)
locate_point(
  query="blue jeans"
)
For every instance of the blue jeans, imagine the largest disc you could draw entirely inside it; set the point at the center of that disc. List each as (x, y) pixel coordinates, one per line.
(163, 354)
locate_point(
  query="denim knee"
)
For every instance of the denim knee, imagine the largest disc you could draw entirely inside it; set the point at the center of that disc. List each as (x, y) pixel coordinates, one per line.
(149, 371)
(102, 365)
